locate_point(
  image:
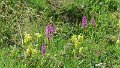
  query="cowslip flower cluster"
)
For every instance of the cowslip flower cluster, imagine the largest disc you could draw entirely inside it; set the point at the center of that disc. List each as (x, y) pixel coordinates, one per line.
(31, 51)
(27, 38)
(77, 39)
(38, 35)
(49, 30)
(43, 49)
(81, 49)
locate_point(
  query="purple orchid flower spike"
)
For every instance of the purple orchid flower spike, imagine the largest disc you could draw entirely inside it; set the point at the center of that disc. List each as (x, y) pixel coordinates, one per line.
(84, 22)
(93, 22)
(43, 49)
(49, 30)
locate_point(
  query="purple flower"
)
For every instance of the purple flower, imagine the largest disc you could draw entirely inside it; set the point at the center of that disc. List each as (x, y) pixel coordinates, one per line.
(43, 49)
(84, 21)
(52, 29)
(49, 30)
(93, 22)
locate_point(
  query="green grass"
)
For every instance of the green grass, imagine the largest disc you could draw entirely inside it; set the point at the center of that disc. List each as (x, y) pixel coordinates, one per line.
(99, 48)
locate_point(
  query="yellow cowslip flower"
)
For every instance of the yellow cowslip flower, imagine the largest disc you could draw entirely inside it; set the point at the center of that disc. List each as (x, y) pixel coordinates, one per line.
(77, 40)
(76, 44)
(38, 35)
(34, 51)
(118, 42)
(28, 51)
(31, 51)
(74, 38)
(27, 38)
(80, 37)
(80, 49)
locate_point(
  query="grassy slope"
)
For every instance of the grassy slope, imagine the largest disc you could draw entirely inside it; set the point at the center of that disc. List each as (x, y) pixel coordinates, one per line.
(60, 52)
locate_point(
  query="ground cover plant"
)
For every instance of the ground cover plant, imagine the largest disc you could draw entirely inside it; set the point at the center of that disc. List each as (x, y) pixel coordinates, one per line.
(59, 34)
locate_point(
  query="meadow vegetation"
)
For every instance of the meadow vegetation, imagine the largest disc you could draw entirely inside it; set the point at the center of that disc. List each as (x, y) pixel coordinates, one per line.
(59, 34)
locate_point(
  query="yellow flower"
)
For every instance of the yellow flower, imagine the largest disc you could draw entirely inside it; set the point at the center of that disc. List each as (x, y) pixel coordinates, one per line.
(74, 38)
(31, 51)
(76, 44)
(27, 38)
(28, 51)
(77, 40)
(38, 35)
(34, 51)
(80, 37)
(80, 49)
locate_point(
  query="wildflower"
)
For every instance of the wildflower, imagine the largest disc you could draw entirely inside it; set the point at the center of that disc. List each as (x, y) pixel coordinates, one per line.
(43, 49)
(38, 35)
(77, 40)
(31, 51)
(28, 51)
(80, 37)
(76, 43)
(34, 51)
(84, 22)
(74, 38)
(49, 30)
(52, 29)
(27, 38)
(80, 49)
(93, 22)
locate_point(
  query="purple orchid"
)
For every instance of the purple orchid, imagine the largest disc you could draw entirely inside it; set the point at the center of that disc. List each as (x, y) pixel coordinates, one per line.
(84, 22)
(43, 49)
(49, 30)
